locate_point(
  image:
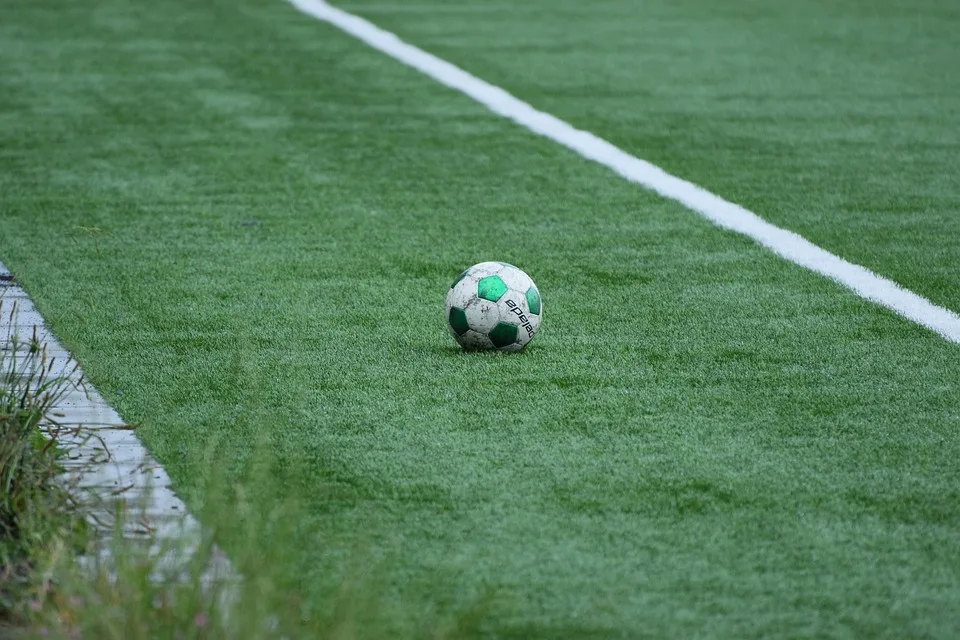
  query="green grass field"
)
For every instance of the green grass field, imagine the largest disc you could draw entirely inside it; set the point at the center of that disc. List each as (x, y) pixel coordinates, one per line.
(244, 222)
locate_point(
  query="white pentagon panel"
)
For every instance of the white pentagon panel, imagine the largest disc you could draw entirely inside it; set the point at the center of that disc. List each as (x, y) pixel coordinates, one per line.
(484, 269)
(516, 279)
(462, 294)
(483, 315)
(473, 340)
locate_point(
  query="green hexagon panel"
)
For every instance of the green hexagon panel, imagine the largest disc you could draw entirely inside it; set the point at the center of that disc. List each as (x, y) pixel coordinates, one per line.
(458, 321)
(503, 335)
(491, 288)
(533, 300)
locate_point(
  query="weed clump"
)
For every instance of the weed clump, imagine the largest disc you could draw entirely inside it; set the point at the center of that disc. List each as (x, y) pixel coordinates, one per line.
(37, 510)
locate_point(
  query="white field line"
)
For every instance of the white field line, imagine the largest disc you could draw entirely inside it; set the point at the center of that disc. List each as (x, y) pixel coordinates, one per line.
(725, 214)
(105, 459)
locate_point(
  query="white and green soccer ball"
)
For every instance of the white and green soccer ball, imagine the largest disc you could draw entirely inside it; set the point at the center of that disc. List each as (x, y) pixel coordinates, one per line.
(494, 305)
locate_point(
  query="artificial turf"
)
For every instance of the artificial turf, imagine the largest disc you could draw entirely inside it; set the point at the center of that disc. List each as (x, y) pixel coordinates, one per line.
(837, 120)
(245, 222)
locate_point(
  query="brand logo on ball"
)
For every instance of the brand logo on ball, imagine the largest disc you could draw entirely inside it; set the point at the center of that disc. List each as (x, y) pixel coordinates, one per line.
(524, 322)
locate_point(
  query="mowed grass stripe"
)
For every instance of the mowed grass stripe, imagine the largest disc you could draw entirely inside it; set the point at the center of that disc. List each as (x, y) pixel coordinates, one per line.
(726, 215)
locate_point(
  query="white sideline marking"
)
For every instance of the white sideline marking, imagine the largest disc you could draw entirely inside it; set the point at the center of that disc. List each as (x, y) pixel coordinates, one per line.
(106, 459)
(125, 466)
(727, 215)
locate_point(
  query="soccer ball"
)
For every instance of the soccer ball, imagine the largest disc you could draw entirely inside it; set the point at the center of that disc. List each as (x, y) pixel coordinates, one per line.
(494, 305)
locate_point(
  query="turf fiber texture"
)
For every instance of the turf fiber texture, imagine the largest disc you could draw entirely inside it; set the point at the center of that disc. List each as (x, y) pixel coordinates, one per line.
(244, 223)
